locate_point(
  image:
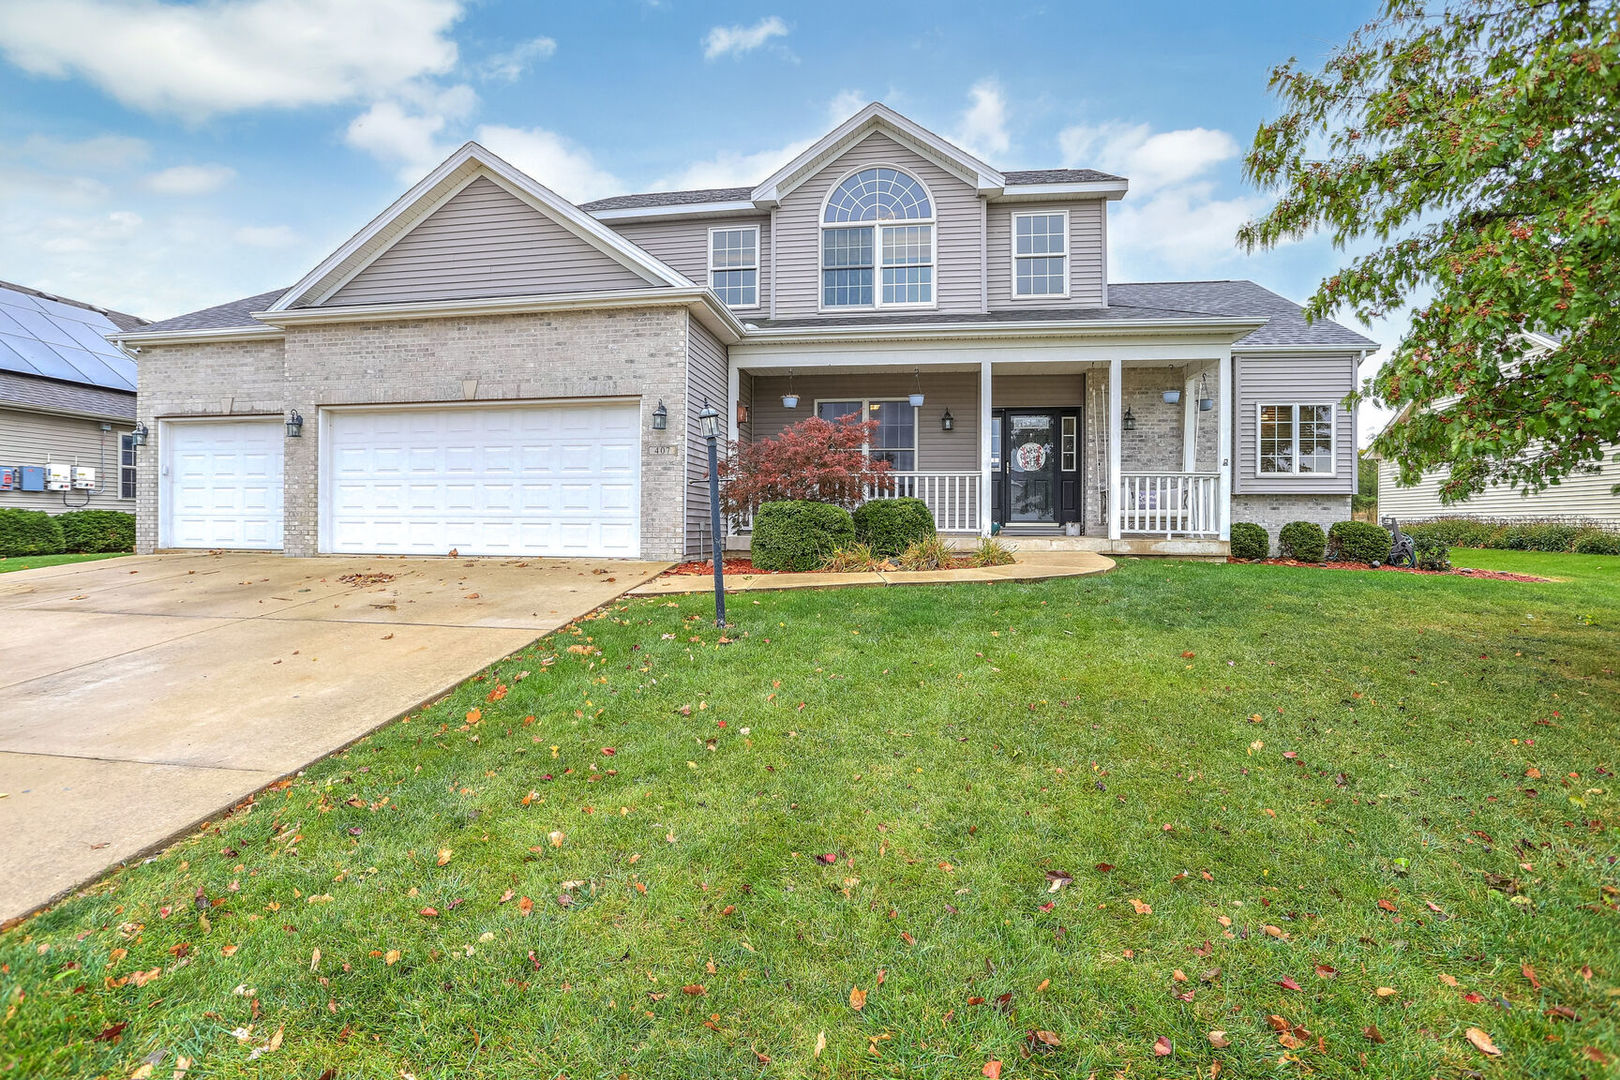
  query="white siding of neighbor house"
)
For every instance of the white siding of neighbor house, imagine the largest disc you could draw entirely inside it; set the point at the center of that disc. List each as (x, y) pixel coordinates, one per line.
(957, 226)
(705, 378)
(486, 242)
(1291, 380)
(684, 245)
(1087, 254)
(1578, 498)
(32, 438)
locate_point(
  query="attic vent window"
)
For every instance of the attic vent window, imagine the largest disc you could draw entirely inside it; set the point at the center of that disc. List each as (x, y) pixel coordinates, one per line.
(878, 264)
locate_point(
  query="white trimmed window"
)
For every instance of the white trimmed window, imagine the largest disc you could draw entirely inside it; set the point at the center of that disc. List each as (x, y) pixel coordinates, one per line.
(1041, 255)
(1296, 440)
(734, 265)
(877, 242)
(126, 466)
(895, 439)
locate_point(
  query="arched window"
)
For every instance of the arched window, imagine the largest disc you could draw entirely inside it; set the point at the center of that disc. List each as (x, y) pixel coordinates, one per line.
(877, 241)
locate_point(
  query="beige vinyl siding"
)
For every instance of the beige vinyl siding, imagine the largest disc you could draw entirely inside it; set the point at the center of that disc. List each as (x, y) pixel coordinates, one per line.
(32, 438)
(485, 242)
(1037, 391)
(957, 231)
(937, 450)
(1088, 254)
(1293, 380)
(705, 378)
(684, 245)
(1583, 498)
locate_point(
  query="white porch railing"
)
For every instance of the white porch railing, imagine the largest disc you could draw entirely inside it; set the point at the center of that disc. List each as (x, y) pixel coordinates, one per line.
(953, 497)
(1170, 503)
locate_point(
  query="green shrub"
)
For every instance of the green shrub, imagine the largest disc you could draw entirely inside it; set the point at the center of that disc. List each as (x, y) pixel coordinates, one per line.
(991, 552)
(888, 526)
(929, 554)
(1250, 541)
(851, 560)
(1359, 542)
(1302, 540)
(1596, 542)
(30, 532)
(1457, 532)
(797, 534)
(1431, 553)
(98, 530)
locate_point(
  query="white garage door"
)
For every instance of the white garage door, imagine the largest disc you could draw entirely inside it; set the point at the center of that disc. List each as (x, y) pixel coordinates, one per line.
(221, 484)
(486, 480)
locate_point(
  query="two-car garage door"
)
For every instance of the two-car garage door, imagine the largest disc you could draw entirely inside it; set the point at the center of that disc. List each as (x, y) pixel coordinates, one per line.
(487, 480)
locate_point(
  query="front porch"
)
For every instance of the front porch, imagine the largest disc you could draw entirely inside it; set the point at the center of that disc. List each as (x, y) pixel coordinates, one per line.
(1053, 454)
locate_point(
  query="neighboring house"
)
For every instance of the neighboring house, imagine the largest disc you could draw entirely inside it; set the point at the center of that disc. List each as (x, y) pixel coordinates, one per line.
(67, 404)
(484, 367)
(1584, 497)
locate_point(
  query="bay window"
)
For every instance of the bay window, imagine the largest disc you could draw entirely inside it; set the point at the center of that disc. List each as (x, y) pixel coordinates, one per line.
(877, 242)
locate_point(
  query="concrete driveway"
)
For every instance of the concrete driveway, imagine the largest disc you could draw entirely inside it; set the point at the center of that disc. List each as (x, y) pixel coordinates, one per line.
(141, 695)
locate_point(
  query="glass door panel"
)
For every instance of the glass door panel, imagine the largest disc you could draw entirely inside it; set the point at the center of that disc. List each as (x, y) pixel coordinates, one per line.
(1031, 467)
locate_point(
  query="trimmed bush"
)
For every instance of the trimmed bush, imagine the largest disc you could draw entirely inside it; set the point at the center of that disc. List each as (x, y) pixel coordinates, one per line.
(1358, 541)
(1250, 541)
(1555, 536)
(890, 526)
(1596, 542)
(1302, 540)
(1431, 554)
(97, 530)
(797, 534)
(30, 532)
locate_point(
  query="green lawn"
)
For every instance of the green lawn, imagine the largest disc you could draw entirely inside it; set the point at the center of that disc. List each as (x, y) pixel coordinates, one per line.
(1357, 804)
(34, 562)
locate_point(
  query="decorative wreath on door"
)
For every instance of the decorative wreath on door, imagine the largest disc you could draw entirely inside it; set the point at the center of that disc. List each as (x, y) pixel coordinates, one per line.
(1031, 457)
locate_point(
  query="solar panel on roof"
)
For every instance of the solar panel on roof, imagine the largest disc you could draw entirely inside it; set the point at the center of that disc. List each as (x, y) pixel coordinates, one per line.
(54, 340)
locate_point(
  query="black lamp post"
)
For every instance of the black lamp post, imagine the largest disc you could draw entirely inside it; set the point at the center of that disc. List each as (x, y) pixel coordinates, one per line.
(709, 428)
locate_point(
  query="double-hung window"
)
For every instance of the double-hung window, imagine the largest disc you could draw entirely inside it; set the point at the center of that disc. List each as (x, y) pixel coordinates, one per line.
(734, 265)
(1296, 440)
(1041, 255)
(895, 439)
(126, 466)
(877, 242)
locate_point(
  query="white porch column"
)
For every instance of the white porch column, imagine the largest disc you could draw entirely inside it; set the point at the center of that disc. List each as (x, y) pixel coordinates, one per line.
(733, 396)
(985, 477)
(1189, 420)
(1224, 452)
(1116, 429)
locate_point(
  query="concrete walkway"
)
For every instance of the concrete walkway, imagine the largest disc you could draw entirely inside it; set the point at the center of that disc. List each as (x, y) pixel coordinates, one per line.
(1032, 566)
(144, 694)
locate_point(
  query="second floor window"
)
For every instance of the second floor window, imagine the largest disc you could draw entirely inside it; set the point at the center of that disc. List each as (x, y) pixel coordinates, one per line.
(1041, 255)
(734, 265)
(877, 242)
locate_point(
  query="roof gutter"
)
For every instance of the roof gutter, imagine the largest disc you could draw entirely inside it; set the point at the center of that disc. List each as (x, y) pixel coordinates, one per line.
(1236, 328)
(195, 337)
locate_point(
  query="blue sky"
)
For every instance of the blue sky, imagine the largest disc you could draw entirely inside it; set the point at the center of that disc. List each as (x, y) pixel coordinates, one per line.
(160, 157)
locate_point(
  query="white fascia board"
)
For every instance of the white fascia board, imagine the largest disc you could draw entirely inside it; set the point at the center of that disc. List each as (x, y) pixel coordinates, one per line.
(1224, 328)
(195, 337)
(1361, 352)
(682, 210)
(520, 183)
(1109, 189)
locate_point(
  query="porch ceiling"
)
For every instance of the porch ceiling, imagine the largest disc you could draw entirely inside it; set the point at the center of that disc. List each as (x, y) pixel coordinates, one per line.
(999, 367)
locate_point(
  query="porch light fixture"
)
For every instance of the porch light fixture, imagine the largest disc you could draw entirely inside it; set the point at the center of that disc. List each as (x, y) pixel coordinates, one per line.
(709, 427)
(295, 425)
(947, 422)
(1205, 402)
(1129, 422)
(660, 416)
(916, 383)
(138, 436)
(742, 413)
(790, 400)
(1171, 397)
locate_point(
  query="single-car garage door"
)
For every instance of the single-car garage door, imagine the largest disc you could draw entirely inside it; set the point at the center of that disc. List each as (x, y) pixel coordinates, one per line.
(483, 480)
(221, 484)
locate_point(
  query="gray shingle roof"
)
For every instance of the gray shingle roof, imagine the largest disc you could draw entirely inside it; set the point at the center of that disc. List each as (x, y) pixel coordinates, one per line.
(30, 391)
(1285, 323)
(219, 317)
(740, 194)
(1058, 176)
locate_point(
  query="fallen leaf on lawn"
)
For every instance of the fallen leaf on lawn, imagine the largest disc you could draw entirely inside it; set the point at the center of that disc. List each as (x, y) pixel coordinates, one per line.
(1530, 973)
(1372, 1035)
(1277, 1023)
(992, 1069)
(1288, 984)
(142, 1073)
(391, 957)
(695, 989)
(1178, 975)
(445, 855)
(1386, 991)
(821, 1042)
(314, 959)
(1449, 980)
(906, 937)
(429, 913)
(182, 1065)
(1048, 1038)
(1056, 879)
(1596, 1055)
(857, 998)
(1105, 868)
(1324, 971)
(111, 1034)
(1044, 984)
(1224, 920)
(1275, 932)
(1290, 1040)
(556, 836)
(525, 906)
(1482, 1042)
(1387, 906)
(1218, 1040)
(1141, 908)
(1561, 1012)
(1162, 1047)
(1533, 773)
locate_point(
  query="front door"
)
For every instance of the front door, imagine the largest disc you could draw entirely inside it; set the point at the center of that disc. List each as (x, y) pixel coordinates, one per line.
(1036, 466)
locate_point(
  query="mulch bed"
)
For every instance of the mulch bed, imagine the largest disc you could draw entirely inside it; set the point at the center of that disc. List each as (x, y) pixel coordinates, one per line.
(1488, 575)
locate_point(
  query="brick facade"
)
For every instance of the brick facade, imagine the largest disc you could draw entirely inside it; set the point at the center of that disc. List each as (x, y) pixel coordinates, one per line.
(1272, 512)
(637, 352)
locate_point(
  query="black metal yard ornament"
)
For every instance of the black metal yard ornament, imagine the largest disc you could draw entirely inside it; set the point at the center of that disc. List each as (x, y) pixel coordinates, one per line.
(709, 428)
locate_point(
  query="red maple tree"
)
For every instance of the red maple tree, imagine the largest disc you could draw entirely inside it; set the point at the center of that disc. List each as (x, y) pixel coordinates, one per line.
(815, 459)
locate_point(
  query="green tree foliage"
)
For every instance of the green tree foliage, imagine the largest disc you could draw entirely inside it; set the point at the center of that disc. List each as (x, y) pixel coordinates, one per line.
(1366, 496)
(1476, 146)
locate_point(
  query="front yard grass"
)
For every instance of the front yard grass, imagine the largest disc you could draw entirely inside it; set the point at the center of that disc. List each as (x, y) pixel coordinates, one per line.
(1372, 809)
(34, 562)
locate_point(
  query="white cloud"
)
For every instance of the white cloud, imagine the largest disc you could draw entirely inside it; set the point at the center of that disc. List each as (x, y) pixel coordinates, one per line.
(265, 236)
(190, 179)
(406, 131)
(982, 129)
(99, 153)
(845, 104)
(509, 66)
(199, 60)
(1149, 160)
(736, 40)
(732, 169)
(558, 163)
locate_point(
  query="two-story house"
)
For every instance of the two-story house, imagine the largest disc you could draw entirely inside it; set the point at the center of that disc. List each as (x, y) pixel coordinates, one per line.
(488, 368)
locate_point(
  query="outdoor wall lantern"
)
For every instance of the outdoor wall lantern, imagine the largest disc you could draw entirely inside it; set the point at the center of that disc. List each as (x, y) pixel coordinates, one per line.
(742, 413)
(790, 400)
(1205, 402)
(947, 422)
(660, 416)
(916, 387)
(1171, 397)
(138, 436)
(1129, 423)
(295, 425)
